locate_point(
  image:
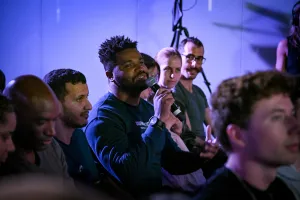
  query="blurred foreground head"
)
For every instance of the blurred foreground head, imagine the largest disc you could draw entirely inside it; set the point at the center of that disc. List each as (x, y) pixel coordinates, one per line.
(44, 188)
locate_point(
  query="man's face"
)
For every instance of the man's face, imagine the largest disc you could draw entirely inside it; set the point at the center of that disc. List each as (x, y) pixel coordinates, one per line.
(7, 127)
(130, 74)
(272, 137)
(192, 60)
(37, 122)
(170, 71)
(76, 105)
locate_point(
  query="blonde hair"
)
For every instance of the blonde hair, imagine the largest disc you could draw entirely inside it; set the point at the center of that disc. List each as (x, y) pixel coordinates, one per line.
(167, 52)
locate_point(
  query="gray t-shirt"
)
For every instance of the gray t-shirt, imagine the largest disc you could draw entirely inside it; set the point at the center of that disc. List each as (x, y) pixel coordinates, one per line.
(50, 161)
(195, 104)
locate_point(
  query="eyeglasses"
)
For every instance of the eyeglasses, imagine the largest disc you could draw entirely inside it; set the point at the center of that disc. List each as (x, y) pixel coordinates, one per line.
(191, 57)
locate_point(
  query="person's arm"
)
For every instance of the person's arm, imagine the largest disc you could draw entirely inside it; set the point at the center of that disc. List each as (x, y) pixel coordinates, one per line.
(281, 55)
(178, 162)
(134, 164)
(187, 121)
(207, 119)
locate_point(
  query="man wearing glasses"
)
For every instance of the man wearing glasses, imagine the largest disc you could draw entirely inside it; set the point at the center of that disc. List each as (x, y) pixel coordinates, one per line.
(194, 99)
(190, 95)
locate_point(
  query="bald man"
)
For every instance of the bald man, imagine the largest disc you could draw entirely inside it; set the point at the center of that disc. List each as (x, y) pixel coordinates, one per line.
(37, 109)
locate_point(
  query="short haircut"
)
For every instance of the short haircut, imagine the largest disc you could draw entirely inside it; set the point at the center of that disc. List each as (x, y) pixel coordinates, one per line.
(234, 99)
(58, 78)
(167, 52)
(6, 106)
(193, 40)
(2, 80)
(109, 49)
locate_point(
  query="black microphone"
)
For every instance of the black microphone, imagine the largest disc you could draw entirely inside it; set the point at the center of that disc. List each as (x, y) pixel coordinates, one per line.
(175, 109)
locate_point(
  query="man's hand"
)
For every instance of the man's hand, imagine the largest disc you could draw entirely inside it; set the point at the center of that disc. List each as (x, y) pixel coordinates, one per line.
(173, 124)
(211, 147)
(162, 102)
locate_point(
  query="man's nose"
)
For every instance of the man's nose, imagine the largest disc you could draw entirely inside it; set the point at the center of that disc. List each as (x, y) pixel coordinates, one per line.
(51, 129)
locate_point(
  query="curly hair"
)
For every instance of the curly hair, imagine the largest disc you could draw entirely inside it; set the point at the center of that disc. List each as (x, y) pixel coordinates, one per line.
(58, 78)
(234, 99)
(108, 50)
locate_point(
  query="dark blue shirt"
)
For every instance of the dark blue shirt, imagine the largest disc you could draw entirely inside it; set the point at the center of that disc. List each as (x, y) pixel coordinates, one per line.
(81, 165)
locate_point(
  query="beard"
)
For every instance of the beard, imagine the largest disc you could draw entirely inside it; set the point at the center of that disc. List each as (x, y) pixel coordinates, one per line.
(134, 85)
(71, 120)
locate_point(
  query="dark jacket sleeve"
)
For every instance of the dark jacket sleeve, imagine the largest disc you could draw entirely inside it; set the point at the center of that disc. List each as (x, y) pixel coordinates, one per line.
(135, 164)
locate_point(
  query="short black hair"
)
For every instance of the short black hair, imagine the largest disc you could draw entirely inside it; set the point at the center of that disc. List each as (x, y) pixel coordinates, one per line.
(58, 78)
(193, 40)
(110, 47)
(6, 106)
(2, 80)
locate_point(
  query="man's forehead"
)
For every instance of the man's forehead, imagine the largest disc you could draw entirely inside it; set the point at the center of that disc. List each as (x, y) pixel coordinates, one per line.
(192, 48)
(44, 105)
(128, 54)
(75, 88)
(276, 103)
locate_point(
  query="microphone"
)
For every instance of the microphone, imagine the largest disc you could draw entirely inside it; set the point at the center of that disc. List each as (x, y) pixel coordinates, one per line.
(175, 109)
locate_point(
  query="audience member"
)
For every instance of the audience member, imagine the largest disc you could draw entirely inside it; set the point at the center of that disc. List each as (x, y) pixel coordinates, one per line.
(37, 110)
(291, 173)
(287, 56)
(72, 91)
(253, 118)
(126, 133)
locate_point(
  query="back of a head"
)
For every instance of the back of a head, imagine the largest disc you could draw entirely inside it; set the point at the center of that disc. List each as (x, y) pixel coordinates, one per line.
(2, 80)
(26, 89)
(110, 47)
(58, 78)
(234, 98)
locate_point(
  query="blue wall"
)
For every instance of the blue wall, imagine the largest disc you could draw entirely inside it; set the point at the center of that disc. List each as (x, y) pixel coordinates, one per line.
(40, 35)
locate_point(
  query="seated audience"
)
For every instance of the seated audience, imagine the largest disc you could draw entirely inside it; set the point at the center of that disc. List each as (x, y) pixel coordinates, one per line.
(126, 133)
(7, 127)
(37, 110)
(72, 91)
(253, 118)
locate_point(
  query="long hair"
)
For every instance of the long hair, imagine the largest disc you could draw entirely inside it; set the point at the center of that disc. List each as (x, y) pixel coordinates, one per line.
(295, 28)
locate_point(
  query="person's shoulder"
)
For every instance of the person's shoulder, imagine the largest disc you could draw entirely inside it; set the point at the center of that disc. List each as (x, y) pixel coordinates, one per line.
(283, 44)
(198, 90)
(222, 184)
(54, 147)
(107, 104)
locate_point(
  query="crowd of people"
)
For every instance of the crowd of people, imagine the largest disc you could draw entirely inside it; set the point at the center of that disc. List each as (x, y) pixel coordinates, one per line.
(242, 143)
